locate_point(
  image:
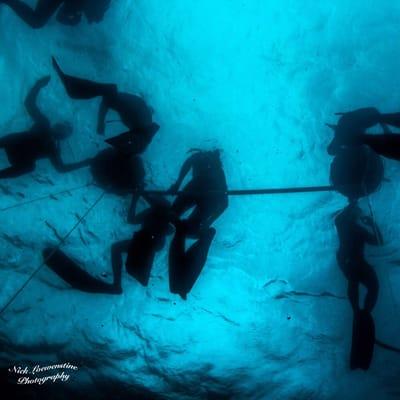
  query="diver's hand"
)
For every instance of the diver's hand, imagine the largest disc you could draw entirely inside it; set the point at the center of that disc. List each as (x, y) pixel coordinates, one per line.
(44, 81)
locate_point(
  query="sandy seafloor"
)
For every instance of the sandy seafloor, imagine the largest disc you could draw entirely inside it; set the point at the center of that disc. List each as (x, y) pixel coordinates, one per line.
(268, 317)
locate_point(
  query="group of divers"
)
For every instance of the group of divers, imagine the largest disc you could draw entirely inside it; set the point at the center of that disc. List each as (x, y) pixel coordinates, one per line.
(356, 172)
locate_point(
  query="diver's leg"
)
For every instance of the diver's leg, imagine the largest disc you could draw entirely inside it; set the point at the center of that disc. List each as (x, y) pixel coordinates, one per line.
(196, 258)
(207, 211)
(177, 261)
(214, 207)
(185, 200)
(370, 281)
(352, 293)
(116, 258)
(78, 88)
(35, 18)
(387, 145)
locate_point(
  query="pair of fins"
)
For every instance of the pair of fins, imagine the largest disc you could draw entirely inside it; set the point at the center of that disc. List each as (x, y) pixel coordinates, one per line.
(363, 340)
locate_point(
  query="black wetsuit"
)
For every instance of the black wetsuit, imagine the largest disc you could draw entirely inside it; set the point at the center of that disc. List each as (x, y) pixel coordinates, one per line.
(23, 149)
(132, 109)
(350, 257)
(206, 191)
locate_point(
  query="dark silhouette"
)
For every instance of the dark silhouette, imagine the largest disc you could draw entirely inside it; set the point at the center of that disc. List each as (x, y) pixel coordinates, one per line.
(356, 172)
(69, 11)
(355, 231)
(386, 145)
(133, 110)
(140, 250)
(120, 173)
(351, 126)
(185, 266)
(206, 191)
(351, 131)
(42, 140)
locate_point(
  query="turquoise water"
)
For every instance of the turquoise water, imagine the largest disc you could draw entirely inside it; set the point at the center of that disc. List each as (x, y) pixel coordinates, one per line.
(258, 79)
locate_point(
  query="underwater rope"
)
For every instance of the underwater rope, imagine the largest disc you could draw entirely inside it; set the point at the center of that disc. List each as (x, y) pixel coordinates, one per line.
(45, 197)
(245, 192)
(60, 243)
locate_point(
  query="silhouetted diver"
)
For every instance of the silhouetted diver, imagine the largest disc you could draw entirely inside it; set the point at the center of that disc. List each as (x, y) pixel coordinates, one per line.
(42, 140)
(132, 109)
(351, 131)
(69, 11)
(355, 231)
(141, 250)
(206, 191)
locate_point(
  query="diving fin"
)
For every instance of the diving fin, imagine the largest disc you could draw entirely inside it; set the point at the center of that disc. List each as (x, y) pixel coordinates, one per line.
(127, 138)
(362, 347)
(73, 274)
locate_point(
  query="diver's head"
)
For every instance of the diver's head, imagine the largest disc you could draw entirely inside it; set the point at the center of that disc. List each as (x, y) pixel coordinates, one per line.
(94, 10)
(62, 130)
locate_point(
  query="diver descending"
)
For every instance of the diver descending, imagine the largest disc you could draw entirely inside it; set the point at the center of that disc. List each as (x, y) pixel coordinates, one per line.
(70, 12)
(356, 172)
(132, 109)
(42, 140)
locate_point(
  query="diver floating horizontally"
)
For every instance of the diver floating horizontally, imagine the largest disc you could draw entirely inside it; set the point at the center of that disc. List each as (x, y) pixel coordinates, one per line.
(42, 140)
(132, 109)
(206, 193)
(355, 231)
(351, 131)
(69, 11)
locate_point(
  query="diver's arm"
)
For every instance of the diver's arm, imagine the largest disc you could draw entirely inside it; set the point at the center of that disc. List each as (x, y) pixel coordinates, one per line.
(101, 117)
(61, 167)
(30, 102)
(182, 174)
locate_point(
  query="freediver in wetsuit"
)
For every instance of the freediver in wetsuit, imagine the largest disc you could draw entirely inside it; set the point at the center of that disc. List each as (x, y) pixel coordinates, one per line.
(42, 140)
(355, 231)
(206, 193)
(69, 11)
(132, 109)
(351, 132)
(140, 250)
